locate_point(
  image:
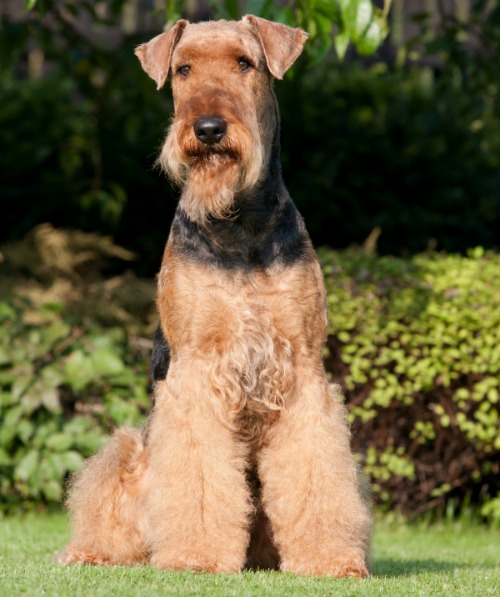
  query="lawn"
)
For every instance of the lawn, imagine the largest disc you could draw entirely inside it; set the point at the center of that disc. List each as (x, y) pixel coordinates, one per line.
(406, 561)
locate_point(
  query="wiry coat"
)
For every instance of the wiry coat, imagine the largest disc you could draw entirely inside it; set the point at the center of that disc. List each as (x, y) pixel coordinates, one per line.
(245, 459)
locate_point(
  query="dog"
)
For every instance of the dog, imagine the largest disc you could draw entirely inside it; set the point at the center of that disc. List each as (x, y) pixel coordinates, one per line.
(245, 460)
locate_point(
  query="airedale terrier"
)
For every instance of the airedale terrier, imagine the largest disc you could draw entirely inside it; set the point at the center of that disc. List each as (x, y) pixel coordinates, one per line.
(245, 459)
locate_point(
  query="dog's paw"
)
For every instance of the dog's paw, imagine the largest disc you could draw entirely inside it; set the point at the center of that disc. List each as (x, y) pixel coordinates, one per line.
(337, 567)
(351, 570)
(76, 556)
(196, 563)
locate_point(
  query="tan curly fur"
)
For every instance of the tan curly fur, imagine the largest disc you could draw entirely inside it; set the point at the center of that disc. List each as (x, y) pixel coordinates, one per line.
(245, 459)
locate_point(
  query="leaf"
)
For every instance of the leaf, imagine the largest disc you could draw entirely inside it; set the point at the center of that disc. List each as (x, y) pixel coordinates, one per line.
(90, 442)
(52, 490)
(106, 362)
(59, 442)
(371, 40)
(79, 370)
(12, 417)
(43, 431)
(27, 466)
(50, 468)
(56, 331)
(55, 463)
(330, 9)
(323, 39)
(5, 459)
(72, 461)
(24, 374)
(6, 312)
(44, 392)
(50, 381)
(5, 355)
(78, 425)
(286, 15)
(25, 430)
(362, 19)
(341, 42)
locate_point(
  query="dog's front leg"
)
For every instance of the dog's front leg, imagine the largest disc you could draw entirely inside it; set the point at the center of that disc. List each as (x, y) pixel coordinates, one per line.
(310, 484)
(198, 506)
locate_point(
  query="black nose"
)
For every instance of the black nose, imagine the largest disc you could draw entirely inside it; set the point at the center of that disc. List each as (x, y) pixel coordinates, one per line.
(210, 130)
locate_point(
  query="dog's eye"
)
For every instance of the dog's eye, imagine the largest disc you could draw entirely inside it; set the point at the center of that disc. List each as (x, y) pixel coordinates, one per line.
(244, 64)
(183, 70)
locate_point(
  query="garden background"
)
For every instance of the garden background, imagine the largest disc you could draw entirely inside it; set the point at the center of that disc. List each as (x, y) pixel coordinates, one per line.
(391, 150)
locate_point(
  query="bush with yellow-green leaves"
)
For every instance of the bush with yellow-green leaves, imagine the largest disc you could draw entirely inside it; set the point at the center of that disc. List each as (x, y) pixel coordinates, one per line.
(416, 344)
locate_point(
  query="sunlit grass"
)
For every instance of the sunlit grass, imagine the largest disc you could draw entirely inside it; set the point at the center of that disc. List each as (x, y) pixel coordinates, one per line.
(441, 560)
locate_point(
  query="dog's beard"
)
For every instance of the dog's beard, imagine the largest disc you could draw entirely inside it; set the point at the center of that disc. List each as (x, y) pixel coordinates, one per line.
(210, 187)
(211, 176)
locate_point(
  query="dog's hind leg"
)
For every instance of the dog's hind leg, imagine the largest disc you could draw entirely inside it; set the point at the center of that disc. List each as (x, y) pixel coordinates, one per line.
(106, 505)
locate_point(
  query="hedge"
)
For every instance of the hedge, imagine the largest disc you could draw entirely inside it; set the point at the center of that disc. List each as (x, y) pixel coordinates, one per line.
(415, 343)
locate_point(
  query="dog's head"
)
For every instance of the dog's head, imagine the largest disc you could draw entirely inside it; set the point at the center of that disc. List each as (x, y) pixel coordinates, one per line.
(225, 112)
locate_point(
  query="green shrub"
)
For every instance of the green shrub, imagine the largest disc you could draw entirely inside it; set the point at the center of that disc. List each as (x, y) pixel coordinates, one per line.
(43, 177)
(62, 387)
(72, 361)
(416, 343)
(406, 151)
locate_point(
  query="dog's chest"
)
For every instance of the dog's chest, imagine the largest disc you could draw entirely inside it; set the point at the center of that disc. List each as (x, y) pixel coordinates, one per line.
(244, 327)
(248, 329)
(260, 355)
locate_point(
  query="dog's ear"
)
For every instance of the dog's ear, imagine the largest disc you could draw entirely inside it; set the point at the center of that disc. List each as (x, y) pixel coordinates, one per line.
(156, 55)
(282, 45)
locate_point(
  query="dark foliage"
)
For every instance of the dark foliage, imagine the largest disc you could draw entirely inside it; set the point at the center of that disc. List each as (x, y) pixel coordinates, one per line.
(414, 151)
(404, 151)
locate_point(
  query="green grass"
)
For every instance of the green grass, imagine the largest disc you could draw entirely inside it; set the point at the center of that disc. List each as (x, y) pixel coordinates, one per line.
(406, 561)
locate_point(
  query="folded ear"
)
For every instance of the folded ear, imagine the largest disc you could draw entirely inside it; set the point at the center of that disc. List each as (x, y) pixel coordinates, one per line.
(156, 55)
(282, 45)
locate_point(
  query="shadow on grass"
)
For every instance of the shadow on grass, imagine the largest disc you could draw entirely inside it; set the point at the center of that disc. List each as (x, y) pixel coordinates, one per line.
(389, 567)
